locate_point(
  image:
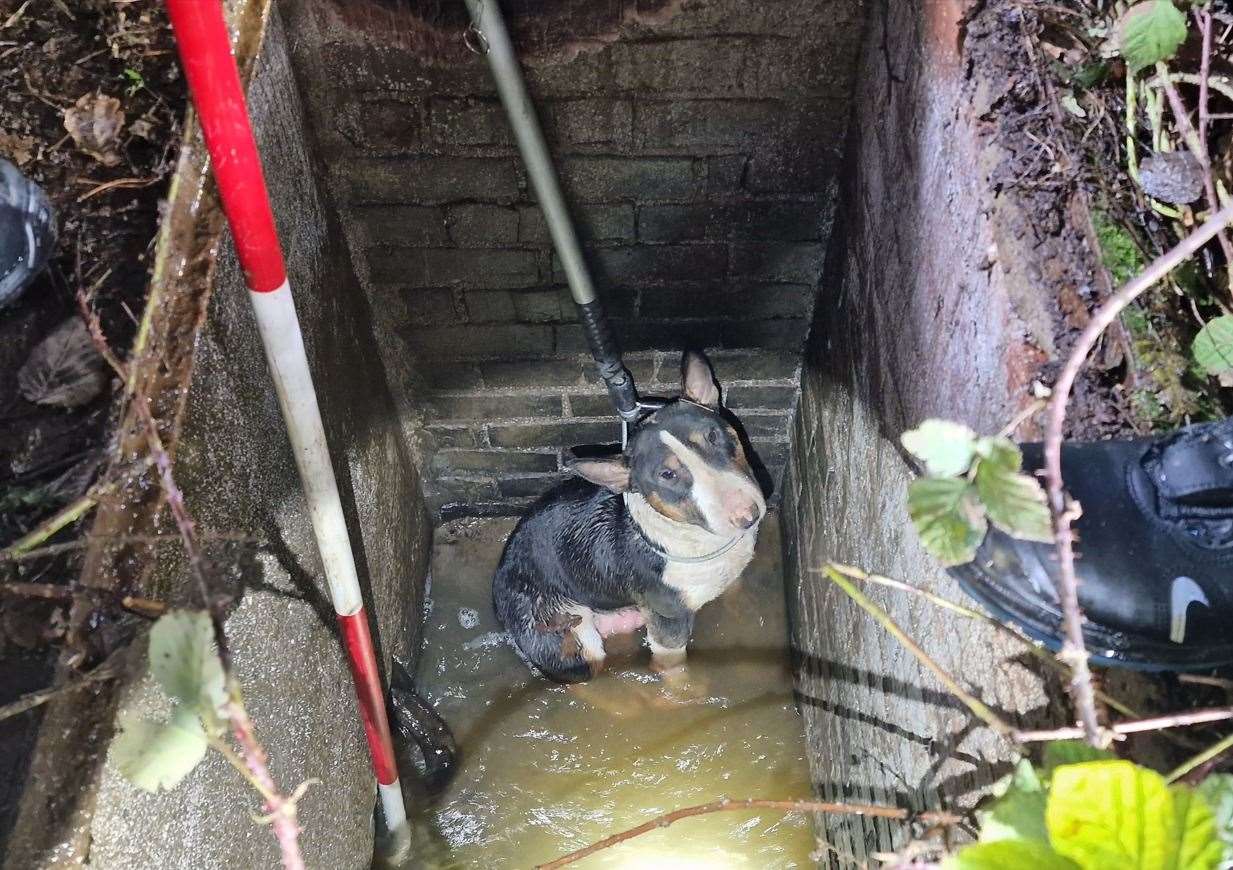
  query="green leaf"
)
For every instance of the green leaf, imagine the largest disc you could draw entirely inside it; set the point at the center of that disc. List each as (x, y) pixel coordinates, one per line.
(1150, 32)
(184, 661)
(1015, 502)
(1115, 814)
(153, 755)
(1213, 346)
(1217, 790)
(1196, 843)
(1060, 752)
(948, 518)
(945, 448)
(1018, 813)
(1008, 854)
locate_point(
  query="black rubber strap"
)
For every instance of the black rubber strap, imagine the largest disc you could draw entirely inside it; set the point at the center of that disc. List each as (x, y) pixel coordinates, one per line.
(607, 355)
(1195, 468)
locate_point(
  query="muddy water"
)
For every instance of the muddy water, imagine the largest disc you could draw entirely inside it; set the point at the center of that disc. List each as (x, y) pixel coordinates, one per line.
(548, 769)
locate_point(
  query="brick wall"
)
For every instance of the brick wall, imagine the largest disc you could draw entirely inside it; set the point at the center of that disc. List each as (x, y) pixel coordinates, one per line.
(928, 306)
(697, 143)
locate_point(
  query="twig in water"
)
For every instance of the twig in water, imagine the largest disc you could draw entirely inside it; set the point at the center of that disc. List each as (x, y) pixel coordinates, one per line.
(727, 805)
(978, 707)
(1074, 652)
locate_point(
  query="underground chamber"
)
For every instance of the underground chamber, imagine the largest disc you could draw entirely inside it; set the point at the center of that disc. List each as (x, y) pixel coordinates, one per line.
(798, 189)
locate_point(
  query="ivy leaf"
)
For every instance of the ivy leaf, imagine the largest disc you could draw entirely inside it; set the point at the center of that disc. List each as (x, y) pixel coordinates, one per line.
(1061, 752)
(1015, 502)
(153, 755)
(948, 518)
(945, 448)
(1196, 844)
(184, 661)
(1150, 32)
(1213, 347)
(1005, 854)
(1116, 814)
(1217, 790)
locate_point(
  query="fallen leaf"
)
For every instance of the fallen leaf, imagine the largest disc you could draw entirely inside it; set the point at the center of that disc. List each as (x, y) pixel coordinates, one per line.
(64, 369)
(95, 122)
(1175, 177)
(17, 148)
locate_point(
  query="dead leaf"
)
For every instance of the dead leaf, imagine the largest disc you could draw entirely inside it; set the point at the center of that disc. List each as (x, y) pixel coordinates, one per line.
(1175, 177)
(143, 128)
(95, 123)
(17, 148)
(64, 369)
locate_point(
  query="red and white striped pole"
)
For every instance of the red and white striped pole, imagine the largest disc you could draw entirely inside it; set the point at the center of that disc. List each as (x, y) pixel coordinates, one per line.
(214, 82)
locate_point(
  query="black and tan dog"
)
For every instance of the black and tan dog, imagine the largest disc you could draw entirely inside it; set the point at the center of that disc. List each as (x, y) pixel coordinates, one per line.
(645, 538)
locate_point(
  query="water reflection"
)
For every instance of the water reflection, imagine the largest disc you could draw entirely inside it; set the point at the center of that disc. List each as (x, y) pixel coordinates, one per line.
(547, 769)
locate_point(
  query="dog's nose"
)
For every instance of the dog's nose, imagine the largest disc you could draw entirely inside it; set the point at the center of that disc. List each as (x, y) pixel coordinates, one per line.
(747, 518)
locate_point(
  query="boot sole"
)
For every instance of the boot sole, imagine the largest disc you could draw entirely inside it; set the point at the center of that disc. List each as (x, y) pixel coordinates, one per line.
(1114, 649)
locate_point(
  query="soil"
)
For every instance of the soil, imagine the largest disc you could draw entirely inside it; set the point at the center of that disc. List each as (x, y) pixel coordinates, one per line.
(1057, 124)
(53, 55)
(115, 59)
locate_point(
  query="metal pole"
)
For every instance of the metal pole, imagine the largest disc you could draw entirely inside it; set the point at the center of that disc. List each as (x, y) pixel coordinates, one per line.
(493, 38)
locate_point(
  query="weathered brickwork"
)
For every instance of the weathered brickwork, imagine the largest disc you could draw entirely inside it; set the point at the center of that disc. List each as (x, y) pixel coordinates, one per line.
(697, 144)
(919, 320)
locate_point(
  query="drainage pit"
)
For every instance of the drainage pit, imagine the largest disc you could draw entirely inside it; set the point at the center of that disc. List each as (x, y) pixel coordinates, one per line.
(801, 188)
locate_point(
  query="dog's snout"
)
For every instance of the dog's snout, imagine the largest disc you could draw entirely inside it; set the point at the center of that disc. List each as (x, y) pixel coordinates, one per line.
(747, 519)
(743, 511)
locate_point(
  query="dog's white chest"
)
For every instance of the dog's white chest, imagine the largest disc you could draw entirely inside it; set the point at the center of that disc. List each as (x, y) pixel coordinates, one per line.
(700, 582)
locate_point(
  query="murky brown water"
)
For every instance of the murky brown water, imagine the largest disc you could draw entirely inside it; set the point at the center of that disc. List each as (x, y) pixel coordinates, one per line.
(549, 769)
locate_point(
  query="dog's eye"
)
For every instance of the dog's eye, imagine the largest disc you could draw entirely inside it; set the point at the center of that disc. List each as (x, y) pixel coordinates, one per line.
(713, 436)
(668, 474)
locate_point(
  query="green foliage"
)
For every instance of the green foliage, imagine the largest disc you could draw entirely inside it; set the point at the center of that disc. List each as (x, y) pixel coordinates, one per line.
(969, 483)
(153, 755)
(1020, 812)
(1115, 814)
(1217, 790)
(1118, 251)
(1213, 348)
(185, 663)
(1086, 810)
(1014, 501)
(1008, 854)
(945, 448)
(1150, 32)
(1061, 752)
(948, 517)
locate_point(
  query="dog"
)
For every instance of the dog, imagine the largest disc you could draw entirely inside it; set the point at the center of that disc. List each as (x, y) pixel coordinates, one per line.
(643, 538)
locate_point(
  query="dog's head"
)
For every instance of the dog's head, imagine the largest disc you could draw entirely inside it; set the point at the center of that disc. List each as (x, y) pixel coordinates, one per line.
(686, 460)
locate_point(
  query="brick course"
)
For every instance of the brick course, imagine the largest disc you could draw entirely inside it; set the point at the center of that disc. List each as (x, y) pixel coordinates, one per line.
(697, 148)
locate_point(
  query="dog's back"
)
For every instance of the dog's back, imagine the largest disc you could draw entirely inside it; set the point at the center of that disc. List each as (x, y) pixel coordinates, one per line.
(572, 551)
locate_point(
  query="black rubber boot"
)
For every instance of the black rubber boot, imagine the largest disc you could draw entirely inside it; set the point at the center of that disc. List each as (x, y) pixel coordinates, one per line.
(1154, 553)
(27, 232)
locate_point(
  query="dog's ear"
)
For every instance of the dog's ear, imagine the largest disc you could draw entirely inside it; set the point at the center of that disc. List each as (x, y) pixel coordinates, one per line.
(609, 472)
(697, 380)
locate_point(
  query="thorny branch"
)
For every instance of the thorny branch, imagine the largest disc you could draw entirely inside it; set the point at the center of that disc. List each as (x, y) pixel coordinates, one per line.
(254, 767)
(728, 805)
(1063, 509)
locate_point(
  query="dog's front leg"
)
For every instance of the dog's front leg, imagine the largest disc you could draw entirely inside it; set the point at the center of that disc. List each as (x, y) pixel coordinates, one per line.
(668, 636)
